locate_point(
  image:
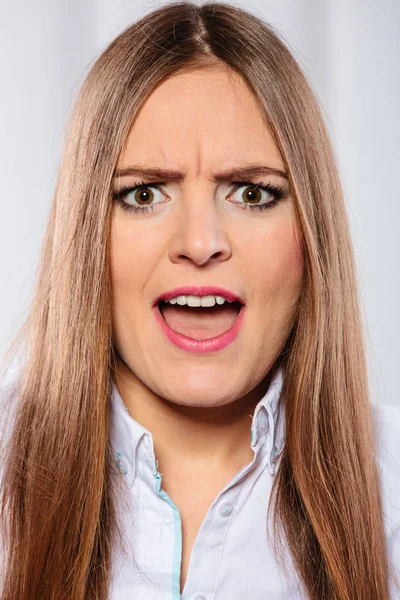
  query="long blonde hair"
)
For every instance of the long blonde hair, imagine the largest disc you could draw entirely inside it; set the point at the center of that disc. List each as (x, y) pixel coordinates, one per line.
(57, 499)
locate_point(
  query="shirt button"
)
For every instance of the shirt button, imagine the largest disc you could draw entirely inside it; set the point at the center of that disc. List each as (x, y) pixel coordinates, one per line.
(274, 453)
(199, 597)
(225, 509)
(122, 464)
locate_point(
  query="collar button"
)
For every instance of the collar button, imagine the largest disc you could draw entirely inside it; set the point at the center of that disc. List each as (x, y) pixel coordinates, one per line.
(122, 464)
(274, 454)
(225, 509)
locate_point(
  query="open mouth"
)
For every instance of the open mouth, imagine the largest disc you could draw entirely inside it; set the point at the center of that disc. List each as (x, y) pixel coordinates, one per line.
(200, 322)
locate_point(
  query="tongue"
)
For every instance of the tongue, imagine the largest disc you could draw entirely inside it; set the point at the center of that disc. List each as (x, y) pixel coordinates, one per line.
(199, 323)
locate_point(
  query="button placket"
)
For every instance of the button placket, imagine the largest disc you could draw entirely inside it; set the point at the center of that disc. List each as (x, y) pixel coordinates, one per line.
(210, 540)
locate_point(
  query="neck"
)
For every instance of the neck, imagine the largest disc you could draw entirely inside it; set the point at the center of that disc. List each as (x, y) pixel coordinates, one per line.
(198, 437)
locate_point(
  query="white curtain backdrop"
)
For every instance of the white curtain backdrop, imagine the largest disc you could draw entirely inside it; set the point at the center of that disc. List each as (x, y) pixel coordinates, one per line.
(350, 51)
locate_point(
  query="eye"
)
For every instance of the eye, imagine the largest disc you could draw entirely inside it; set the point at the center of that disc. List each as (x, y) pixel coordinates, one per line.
(137, 198)
(141, 197)
(258, 196)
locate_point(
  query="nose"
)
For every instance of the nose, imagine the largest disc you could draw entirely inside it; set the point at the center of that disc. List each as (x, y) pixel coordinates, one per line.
(199, 236)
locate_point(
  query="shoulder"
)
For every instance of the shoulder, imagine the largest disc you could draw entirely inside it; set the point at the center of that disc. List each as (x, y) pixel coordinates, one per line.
(9, 386)
(9, 383)
(386, 424)
(9, 380)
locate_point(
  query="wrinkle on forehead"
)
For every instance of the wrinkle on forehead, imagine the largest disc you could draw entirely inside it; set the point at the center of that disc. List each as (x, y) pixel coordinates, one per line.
(202, 120)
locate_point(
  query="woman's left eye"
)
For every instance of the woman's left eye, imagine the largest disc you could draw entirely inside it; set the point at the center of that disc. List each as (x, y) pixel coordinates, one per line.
(252, 195)
(140, 198)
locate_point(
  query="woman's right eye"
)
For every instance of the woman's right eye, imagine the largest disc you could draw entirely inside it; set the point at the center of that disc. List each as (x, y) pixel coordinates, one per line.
(138, 198)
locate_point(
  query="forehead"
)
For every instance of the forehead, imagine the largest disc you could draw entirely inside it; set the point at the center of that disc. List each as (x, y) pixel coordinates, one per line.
(207, 116)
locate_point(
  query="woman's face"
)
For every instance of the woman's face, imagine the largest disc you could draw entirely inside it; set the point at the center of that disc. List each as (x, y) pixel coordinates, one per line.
(200, 231)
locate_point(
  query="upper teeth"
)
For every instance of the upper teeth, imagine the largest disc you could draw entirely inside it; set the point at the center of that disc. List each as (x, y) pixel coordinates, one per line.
(197, 300)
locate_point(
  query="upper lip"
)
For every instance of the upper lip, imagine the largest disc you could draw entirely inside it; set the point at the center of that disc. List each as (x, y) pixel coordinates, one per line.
(196, 290)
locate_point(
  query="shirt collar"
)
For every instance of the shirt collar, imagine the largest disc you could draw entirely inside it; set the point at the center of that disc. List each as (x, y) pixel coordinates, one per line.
(267, 427)
(268, 424)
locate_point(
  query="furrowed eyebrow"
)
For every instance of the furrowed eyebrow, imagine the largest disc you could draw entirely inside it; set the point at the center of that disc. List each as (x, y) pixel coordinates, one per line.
(238, 173)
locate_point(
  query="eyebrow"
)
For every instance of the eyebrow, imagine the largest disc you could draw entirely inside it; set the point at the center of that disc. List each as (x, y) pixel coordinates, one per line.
(238, 173)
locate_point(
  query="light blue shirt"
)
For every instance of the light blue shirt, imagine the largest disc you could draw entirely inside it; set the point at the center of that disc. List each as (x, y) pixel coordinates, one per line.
(231, 557)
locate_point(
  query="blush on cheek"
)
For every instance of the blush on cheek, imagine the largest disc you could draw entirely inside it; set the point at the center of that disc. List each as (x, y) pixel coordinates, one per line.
(284, 261)
(121, 270)
(287, 241)
(122, 258)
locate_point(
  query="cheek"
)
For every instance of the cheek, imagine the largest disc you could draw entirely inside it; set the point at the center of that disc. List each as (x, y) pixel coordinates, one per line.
(122, 257)
(276, 261)
(132, 256)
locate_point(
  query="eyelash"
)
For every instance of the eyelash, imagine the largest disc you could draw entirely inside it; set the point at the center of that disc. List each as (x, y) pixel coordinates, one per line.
(277, 192)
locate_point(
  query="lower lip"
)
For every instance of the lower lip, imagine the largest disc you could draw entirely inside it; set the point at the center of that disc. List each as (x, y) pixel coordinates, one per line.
(200, 346)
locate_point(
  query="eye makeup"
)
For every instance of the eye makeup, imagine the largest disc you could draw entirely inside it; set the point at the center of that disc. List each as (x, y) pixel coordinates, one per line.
(277, 192)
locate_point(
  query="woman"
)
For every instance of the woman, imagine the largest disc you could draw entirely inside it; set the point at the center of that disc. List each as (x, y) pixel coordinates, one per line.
(196, 352)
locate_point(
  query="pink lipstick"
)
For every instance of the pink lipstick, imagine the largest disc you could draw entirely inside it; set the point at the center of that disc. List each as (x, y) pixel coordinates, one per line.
(193, 345)
(200, 346)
